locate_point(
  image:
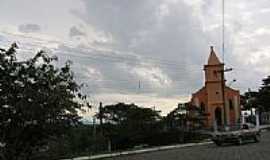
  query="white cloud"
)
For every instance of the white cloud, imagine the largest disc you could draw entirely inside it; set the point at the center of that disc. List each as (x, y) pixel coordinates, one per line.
(162, 43)
(154, 76)
(28, 28)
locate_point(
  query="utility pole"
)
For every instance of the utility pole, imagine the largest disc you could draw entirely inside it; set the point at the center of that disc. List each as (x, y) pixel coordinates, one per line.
(101, 117)
(223, 31)
(139, 87)
(223, 92)
(94, 133)
(95, 129)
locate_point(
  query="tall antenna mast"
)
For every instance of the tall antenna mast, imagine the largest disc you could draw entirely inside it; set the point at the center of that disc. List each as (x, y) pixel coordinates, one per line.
(223, 31)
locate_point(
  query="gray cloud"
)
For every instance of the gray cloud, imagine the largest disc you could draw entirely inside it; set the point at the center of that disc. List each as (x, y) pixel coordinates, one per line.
(74, 31)
(164, 32)
(28, 28)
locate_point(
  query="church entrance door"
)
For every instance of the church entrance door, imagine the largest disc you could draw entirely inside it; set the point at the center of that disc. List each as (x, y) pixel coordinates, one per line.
(218, 116)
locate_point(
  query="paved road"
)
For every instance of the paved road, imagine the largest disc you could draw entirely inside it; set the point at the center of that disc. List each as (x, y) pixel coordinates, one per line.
(248, 151)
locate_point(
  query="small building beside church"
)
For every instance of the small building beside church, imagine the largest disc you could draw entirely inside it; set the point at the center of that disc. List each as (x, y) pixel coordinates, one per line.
(210, 100)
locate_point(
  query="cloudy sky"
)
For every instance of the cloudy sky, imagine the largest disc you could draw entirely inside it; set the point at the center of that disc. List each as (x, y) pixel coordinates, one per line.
(149, 52)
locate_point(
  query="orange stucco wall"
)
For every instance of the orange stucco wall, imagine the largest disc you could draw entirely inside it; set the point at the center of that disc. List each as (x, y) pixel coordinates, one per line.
(212, 102)
(212, 94)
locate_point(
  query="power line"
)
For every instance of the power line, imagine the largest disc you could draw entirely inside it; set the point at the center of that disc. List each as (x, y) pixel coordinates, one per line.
(186, 70)
(146, 88)
(129, 80)
(102, 58)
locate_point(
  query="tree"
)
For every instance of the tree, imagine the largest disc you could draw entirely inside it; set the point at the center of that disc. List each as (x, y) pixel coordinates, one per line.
(264, 95)
(38, 102)
(249, 100)
(122, 113)
(128, 124)
(177, 118)
(196, 117)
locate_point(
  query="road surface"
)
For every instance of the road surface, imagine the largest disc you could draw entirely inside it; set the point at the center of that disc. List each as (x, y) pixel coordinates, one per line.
(248, 151)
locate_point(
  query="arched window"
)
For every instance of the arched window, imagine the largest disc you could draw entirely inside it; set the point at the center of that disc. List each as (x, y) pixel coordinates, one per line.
(202, 107)
(231, 104)
(215, 73)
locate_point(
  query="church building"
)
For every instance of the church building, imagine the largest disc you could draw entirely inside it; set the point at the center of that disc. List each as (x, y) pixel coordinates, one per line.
(218, 102)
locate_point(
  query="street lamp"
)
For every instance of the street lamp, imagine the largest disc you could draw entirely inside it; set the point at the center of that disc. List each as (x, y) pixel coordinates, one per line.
(229, 84)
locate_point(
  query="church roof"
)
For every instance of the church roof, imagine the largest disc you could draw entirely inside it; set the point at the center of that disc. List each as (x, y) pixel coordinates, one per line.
(213, 59)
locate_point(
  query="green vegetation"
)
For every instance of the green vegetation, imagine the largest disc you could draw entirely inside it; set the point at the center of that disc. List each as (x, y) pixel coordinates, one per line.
(39, 115)
(39, 105)
(259, 100)
(39, 102)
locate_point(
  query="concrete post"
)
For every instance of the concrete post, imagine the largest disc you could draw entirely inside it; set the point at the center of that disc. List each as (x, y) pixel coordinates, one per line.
(215, 126)
(243, 119)
(236, 108)
(227, 109)
(257, 121)
(109, 145)
(197, 104)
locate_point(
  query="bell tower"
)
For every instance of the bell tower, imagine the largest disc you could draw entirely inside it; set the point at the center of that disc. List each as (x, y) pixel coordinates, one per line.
(213, 84)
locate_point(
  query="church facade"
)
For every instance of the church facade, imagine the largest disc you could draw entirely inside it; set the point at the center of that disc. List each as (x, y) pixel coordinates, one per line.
(218, 102)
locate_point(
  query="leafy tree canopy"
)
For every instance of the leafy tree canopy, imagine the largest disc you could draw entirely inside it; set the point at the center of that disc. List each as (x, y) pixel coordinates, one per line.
(260, 99)
(249, 100)
(264, 95)
(38, 101)
(127, 125)
(122, 113)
